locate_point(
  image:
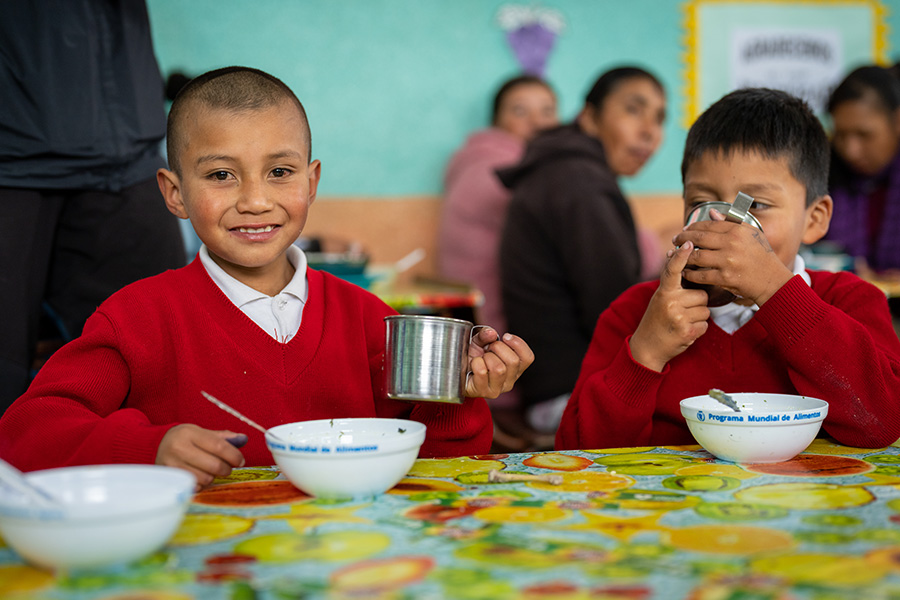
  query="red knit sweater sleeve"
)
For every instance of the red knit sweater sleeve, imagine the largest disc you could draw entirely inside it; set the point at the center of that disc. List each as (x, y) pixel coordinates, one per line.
(71, 413)
(839, 345)
(615, 397)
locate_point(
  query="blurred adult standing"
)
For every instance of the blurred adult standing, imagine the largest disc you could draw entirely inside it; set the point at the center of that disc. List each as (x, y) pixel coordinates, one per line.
(865, 168)
(475, 202)
(80, 132)
(570, 245)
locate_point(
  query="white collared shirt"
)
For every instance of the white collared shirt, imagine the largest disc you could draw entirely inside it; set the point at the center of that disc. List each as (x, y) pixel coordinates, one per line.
(278, 315)
(732, 317)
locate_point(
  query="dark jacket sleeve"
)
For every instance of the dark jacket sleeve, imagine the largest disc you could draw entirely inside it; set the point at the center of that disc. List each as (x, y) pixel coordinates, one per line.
(569, 248)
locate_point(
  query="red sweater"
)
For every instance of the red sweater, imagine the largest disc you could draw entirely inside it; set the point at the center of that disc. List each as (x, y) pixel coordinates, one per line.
(110, 395)
(832, 341)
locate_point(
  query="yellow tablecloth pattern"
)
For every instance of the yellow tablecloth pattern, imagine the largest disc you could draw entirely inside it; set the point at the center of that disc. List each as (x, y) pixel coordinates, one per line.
(630, 523)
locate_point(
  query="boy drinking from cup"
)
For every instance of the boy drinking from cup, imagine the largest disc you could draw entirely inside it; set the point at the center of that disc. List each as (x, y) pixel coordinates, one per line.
(246, 321)
(826, 335)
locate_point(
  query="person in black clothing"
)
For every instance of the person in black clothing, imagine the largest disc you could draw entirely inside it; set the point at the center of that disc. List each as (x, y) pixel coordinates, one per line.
(569, 245)
(81, 128)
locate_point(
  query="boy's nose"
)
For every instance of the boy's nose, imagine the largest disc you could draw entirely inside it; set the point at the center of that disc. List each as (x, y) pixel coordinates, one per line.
(254, 197)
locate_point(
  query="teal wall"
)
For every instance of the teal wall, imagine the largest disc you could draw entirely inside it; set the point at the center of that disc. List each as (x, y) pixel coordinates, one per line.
(392, 87)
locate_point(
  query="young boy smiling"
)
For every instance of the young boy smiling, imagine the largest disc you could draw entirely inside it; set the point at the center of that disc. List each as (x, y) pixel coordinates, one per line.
(826, 335)
(246, 321)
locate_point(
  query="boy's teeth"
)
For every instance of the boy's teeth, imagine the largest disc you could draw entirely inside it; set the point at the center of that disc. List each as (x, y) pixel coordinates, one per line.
(257, 230)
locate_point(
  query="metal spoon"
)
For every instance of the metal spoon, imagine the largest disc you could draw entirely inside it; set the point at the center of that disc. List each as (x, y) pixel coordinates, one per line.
(15, 479)
(724, 398)
(241, 416)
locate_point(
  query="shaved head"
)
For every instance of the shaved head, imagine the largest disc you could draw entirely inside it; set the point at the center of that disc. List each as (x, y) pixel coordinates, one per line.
(235, 89)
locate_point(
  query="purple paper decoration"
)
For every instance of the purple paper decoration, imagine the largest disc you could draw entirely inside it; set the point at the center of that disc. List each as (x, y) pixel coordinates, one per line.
(532, 45)
(531, 33)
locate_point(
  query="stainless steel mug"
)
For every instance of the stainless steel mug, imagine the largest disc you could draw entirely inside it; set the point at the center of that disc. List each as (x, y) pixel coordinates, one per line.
(426, 358)
(736, 212)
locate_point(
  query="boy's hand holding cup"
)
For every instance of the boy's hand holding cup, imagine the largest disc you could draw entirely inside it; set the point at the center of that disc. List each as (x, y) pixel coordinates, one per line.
(734, 257)
(496, 362)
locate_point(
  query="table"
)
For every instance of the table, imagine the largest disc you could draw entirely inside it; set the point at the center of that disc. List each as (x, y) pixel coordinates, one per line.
(633, 523)
(890, 285)
(430, 296)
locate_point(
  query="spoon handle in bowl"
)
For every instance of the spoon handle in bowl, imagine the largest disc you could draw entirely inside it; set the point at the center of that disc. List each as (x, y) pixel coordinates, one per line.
(724, 398)
(235, 413)
(15, 479)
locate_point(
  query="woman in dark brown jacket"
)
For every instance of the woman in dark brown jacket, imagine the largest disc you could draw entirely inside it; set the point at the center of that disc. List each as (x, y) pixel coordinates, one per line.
(570, 246)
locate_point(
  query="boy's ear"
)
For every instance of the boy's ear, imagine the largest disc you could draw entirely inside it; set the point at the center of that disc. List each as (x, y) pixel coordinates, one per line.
(170, 187)
(314, 173)
(818, 218)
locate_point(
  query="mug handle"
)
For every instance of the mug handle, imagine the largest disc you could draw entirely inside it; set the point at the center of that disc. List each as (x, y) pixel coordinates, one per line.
(471, 337)
(474, 328)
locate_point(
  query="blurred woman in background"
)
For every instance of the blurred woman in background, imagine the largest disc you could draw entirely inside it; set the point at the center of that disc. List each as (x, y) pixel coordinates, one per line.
(865, 169)
(475, 201)
(473, 214)
(570, 245)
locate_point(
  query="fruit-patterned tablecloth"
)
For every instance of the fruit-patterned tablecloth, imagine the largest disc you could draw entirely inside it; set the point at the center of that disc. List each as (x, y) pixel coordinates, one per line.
(632, 523)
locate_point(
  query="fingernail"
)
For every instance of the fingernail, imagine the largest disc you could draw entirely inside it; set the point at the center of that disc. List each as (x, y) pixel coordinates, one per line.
(670, 254)
(507, 337)
(238, 440)
(674, 237)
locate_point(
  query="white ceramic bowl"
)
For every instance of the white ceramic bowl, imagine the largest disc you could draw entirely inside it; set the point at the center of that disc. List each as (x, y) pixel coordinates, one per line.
(770, 427)
(108, 514)
(346, 458)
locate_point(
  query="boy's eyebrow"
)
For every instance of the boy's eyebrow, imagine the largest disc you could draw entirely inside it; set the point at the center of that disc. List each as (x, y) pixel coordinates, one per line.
(751, 189)
(226, 158)
(286, 154)
(214, 158)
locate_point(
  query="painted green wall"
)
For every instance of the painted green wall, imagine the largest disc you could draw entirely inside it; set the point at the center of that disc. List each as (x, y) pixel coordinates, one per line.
(392, 87)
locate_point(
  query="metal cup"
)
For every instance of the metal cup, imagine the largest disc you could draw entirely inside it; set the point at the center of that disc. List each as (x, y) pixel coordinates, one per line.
(701, 213)
(735, 212)
(426, 358)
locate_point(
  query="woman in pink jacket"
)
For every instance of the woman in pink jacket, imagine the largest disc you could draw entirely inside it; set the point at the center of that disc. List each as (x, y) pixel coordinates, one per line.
(473, 215)
(474, 199)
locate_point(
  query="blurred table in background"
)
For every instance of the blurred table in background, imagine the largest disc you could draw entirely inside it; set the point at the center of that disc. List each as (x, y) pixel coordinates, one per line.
(825, 257)
(429, 296)
(889, 285)
(399, 288)
(630, 523)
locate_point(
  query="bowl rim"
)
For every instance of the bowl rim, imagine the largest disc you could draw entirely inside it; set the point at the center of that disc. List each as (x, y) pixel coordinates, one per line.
(182, 493)
(726, 416)
(392, 445)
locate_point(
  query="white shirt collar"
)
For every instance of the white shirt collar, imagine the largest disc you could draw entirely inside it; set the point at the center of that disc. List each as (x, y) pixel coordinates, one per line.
(279, 316)
(732, 317)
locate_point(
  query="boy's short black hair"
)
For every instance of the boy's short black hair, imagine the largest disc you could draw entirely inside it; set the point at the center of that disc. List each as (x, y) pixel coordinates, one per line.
(771, 122)
(510, 85)
(231, 88)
